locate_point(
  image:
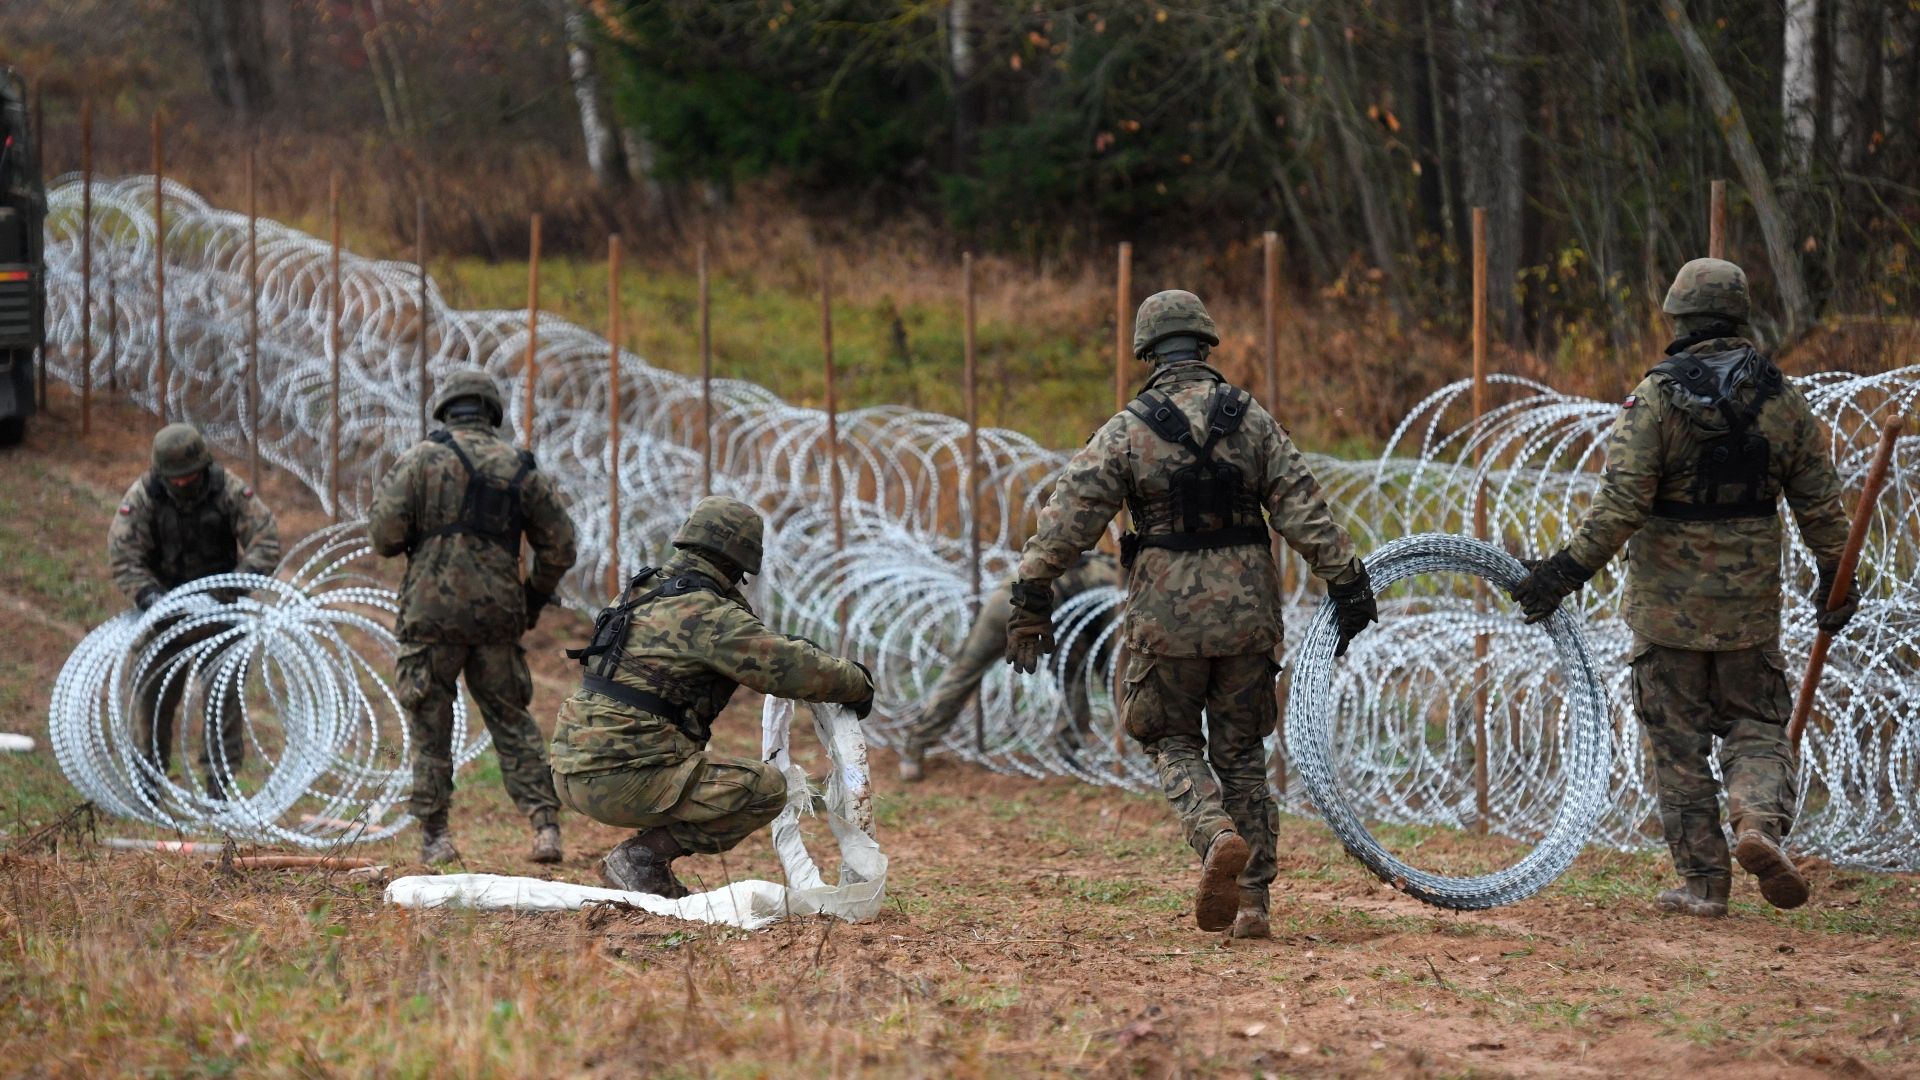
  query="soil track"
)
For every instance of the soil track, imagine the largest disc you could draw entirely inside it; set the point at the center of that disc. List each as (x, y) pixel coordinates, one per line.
(1031, 927)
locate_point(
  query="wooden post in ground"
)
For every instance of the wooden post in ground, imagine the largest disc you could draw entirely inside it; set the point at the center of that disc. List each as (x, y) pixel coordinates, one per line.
(86, 264)
(706, 377)
(159, 274)
(613, 415)
(420, 283)
(253, 326)
(333, 347)
(1270, 353)
(1717, 220)
(1480, 748)
(836, 493)
(1122, 356)
(533, 330)
(970, 378)
(113, 335)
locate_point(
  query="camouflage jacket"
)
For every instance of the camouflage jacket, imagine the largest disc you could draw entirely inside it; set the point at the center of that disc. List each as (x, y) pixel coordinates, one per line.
(1707, 585)
(693, 649)
(154, 541)
(463, 589)
(1222, 602)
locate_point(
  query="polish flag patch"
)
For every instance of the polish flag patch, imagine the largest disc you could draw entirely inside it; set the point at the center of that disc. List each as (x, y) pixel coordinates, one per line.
(1632, 400)
(125, 509)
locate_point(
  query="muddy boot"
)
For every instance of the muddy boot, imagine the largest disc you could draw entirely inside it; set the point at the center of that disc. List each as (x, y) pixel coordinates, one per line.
(1704, 897)
(546, 844)
(644, 863)
(1251, 921)
(1218, 898)
(912, 757)
(436, 843)
(1780, 881)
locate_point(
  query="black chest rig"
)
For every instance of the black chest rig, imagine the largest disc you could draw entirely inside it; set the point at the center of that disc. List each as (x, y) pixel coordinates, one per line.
(192, 541)
(606, 653)
(1731, 479)
(490, 509)
(1207, 505)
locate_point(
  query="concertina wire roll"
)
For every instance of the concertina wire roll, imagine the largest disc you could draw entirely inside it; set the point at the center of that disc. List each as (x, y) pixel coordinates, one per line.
(1396, 730)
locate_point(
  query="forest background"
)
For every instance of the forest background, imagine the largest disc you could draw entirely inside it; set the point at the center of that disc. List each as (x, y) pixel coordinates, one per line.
(882, 139)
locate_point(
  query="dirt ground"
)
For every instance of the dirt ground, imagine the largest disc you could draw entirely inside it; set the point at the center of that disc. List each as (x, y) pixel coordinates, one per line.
(1031, 927)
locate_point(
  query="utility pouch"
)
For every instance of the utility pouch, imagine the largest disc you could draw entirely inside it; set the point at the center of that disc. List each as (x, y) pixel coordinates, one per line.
(1129, 549)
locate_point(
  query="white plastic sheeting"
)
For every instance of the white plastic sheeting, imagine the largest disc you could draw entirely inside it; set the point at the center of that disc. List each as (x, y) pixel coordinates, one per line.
(750, 905)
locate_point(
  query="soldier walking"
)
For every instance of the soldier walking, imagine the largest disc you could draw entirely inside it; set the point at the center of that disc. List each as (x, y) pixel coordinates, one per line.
(1701, 453)
(458, 504)
(187, 519)
(987, 642)
(630, 747)
(1205, 471)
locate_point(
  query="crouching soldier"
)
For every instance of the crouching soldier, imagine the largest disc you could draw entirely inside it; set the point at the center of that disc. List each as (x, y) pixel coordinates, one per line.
(187, 519)
(630, 746)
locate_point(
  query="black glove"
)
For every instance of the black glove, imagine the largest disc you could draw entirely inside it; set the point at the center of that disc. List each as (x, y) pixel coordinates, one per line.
(148, 596)
(1030, 625)
(865, 705)
(535, 601)
(1353, 607)
(227, 596)
(1835, 620)
(1548, 582)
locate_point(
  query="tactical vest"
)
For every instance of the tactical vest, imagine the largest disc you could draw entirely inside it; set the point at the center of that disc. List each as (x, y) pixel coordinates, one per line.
(1207, 505)
(606, 653)
(194, 541)
(1731, 479)
(490, 509)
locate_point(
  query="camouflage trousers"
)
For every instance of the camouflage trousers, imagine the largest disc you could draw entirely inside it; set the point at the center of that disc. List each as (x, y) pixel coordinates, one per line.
(156, 705)
(1685, 700)
(708, 803)
(427, 682)
(1218, 780)
(985, 646)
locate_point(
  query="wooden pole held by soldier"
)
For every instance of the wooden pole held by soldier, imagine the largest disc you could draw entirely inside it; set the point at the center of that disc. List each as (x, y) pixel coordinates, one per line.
(1843, 576)
(86, 264)
(1717, 220)
(533, 331)
(706, 377)
(1480, 797)
(333, 348)
(613, 415)
(253, 326)
(420, 275)
(1122, 355)
(159, 275)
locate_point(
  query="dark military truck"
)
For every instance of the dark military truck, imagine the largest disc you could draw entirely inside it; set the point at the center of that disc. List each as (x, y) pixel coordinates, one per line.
(23, 295)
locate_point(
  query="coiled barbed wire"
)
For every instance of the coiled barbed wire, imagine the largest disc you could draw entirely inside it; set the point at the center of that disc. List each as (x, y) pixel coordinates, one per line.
(901, 577)
(304, 658)
(1560, 736)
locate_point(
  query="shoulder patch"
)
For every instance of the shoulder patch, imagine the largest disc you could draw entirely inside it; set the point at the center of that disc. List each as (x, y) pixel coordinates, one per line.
(1632, 400)
(125, 509)
(246, 492)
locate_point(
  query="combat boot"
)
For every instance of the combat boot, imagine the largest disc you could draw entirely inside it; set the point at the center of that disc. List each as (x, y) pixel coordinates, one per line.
(1781, 883)
(436, 843)
(1218, 899)
(546, 844)
(1704, 897)
(912, 759)
(1251, 921)
(644, 863)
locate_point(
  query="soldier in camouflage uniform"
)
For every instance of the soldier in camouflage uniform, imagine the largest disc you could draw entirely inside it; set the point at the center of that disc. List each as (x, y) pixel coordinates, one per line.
(457, 505)
(987, 642)
(1205, 471)
(187, 519)
(1701, 453)
(630, 746)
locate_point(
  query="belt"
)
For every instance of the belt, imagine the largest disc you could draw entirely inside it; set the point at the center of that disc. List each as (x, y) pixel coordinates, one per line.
(644, 700)
(1674, 510)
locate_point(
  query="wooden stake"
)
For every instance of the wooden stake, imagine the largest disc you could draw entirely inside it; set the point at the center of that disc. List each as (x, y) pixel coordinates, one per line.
(1480, 796)
(832, 402)
(333, 348)
(420, 282)
(1270, 308)
(1843, 576)
(970, 377)
(706, 378)
(533, 330)
(252, 383)
(86, 264)
(1717, 220)
(159, 273)
(613, 415)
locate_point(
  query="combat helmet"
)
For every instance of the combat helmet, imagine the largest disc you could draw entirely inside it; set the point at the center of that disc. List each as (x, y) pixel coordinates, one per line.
(179, 450)
(1173, 313)
(725, 527)
(470, 383)
(1709, 287)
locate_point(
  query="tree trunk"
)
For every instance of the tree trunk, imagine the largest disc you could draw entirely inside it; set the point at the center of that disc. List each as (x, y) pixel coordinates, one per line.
(1798, 86)
(1491, 130)
(605, 155)
(963, 67)
(1774, 226)
(1856, 52)
(233, 47)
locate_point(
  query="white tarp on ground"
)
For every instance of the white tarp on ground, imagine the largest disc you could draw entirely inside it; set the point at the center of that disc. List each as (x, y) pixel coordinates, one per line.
(750, 905)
